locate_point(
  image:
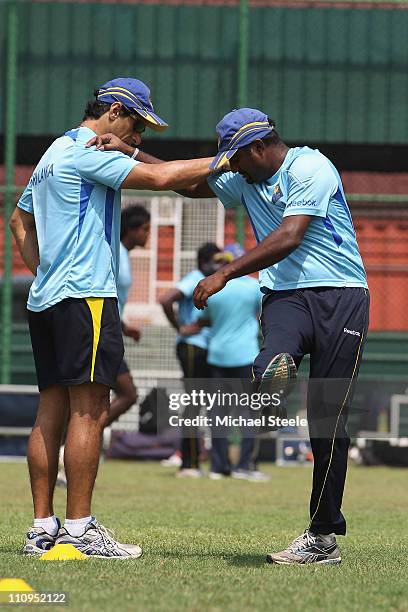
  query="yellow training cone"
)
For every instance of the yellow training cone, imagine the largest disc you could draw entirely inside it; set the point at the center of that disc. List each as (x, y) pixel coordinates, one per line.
(14, 584)
(63, 552)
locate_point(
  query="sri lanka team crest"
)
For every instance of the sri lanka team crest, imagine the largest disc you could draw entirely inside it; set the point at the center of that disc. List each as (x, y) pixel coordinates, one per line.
(277, 194)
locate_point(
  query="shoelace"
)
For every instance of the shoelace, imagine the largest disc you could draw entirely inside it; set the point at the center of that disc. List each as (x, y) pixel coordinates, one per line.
(303, 541)
(105, 539)
(106, 536)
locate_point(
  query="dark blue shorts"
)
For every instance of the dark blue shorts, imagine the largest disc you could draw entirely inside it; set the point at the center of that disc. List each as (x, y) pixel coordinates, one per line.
(123, 368)
(78, 340)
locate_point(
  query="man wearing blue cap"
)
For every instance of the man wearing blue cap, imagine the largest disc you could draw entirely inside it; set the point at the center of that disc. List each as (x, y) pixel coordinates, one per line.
(315, 300)
(66, 225)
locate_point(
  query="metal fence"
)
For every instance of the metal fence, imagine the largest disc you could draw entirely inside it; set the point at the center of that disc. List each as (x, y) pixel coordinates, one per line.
(331, 72)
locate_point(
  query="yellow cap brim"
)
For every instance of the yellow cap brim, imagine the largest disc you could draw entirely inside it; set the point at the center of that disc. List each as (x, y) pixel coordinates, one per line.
(222, 157)
(152, 121)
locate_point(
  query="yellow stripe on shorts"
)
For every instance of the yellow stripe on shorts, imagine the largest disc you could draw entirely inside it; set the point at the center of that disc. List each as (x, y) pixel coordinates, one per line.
(96, 308)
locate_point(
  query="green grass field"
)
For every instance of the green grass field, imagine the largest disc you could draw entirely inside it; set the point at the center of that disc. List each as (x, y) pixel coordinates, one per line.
(205, 543)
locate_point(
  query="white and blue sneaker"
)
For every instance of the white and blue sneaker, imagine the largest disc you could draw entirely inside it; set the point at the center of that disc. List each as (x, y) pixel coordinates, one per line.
(308, 548)
(39, 541)
(98, 542)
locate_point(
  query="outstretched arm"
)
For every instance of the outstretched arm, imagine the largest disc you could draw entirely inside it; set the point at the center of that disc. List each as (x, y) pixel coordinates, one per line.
(275, 247)
(22, 225)
(110, 142)
(168, 176)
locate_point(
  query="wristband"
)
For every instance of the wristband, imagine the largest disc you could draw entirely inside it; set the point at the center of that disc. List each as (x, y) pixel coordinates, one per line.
(135, 153)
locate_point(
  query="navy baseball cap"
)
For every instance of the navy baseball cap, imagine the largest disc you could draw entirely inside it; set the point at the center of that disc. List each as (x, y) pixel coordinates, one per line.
(237, 129)
(135, 95)
(230, 252)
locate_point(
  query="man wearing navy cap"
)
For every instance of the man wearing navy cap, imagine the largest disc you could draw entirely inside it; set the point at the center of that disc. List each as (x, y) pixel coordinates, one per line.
(66, 225)
(315, 301)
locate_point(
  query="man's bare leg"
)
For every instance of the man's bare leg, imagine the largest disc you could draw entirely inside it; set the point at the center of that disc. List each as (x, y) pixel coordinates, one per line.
(89, 405)
(125, 397)
(43, 447)
(89, 411)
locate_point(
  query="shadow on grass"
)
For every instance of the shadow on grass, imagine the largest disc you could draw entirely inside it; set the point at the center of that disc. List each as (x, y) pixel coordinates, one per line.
(247, 560)
(235, 559)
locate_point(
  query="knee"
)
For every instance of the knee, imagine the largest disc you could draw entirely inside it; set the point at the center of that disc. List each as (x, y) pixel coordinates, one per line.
(132, 396)
(129, 396)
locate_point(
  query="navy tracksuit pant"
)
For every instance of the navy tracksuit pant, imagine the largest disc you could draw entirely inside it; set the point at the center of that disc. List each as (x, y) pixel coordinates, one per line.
(330, 324)
(193, 360)
(224, 381)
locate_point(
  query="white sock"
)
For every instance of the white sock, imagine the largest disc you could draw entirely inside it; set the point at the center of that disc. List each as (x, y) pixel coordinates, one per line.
(49, 524)
(76, 527)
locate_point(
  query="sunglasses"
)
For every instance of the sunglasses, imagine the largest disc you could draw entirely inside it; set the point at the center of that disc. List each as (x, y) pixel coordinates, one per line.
(139, 124)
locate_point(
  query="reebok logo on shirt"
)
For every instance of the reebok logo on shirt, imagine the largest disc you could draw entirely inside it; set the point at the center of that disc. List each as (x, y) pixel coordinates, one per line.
(302, 203)
(352, 332)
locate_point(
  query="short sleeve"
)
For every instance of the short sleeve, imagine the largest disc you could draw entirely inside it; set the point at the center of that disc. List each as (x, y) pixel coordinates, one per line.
(227, 187)
(26, 200)
(187, 285)
(311, 184)
(108, 168)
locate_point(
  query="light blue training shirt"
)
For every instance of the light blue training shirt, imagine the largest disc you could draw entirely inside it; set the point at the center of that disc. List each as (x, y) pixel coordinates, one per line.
(124, 277)
(233, 314)
(75, 198)
(307, 183)
(187, 312)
